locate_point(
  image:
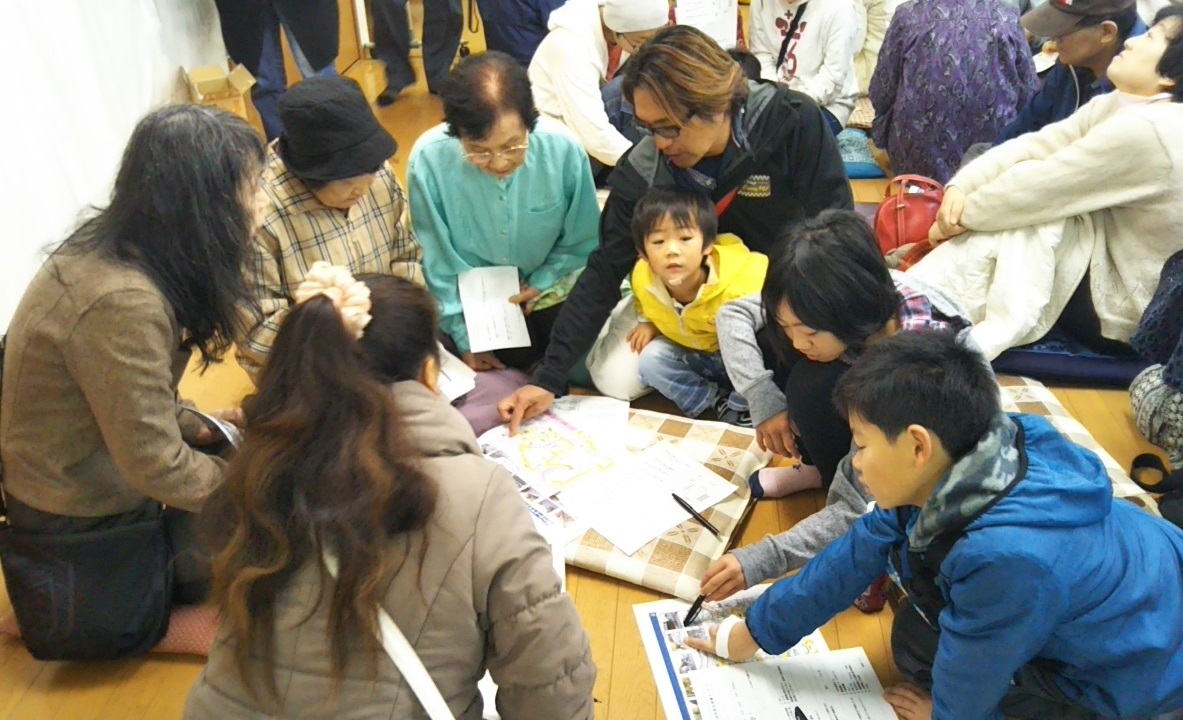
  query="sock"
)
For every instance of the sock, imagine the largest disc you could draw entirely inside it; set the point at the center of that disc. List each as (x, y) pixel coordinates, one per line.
(777, 482)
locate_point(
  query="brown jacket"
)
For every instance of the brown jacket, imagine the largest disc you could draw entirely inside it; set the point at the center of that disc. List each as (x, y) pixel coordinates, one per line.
(484, 596)
(90, 421)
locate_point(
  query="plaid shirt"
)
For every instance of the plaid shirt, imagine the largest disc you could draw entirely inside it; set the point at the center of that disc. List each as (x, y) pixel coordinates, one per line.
(915, 314)
(374, 236)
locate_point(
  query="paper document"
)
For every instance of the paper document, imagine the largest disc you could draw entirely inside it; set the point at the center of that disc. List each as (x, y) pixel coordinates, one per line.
(456, 378)
(577, 479)
(603, 419)
(840, 684)
(227, 430)
(716, 18)
(492, 322)
(663, 634)
(633, 504)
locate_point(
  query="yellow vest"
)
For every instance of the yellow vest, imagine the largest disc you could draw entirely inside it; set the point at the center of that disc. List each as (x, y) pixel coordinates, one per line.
(736, 272)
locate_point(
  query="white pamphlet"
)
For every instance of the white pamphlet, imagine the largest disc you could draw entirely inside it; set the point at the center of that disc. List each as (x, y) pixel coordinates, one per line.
(664, 632)
(493, 323)
(456, 378)
(839, 684)
(227, 430)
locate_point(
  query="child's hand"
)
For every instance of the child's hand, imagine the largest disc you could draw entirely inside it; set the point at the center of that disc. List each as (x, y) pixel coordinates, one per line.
(740, 644)
(642, 335)
(724, 578)
(777, 435)
(909, 701)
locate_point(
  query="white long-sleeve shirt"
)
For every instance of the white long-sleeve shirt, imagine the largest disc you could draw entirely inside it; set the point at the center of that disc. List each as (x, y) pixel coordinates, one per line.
(820, 61)
(566, 74)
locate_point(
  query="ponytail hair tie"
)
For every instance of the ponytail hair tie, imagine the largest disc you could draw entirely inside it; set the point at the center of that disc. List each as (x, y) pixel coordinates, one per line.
(350, 297)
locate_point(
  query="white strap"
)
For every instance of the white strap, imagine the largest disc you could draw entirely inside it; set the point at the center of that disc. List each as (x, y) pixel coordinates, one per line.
(723, 636)
(405, 658)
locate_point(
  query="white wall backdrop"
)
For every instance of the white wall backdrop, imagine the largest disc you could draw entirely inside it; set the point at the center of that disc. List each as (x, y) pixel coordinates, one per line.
(78, 76)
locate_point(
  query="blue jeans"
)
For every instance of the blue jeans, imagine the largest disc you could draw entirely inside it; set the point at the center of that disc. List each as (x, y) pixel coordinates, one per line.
(831, 121)
(271, 82)
(620, 110)
(694, 380)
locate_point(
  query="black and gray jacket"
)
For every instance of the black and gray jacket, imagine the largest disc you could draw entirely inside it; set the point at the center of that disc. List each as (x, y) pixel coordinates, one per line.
(785, 169)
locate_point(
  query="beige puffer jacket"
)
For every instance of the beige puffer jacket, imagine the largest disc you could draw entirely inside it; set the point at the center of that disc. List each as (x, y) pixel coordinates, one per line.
(486, 596)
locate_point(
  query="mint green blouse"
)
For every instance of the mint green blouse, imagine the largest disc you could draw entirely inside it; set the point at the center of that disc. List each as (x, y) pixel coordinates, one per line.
(543, 219)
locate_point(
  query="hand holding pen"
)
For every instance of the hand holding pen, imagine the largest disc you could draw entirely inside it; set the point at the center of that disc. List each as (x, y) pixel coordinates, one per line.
(724, 578)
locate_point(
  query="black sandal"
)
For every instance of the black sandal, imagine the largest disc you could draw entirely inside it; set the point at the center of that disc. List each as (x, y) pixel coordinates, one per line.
(1150, 474)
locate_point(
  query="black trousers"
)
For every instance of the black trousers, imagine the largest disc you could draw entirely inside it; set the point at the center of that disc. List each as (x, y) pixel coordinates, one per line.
(1079, 320)
(539, 324)
(824, 437)
(1032, 695)
(443, 24)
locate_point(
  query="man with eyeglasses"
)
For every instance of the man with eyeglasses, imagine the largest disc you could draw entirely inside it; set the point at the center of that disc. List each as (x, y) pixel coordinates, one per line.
(495, 186)
(571, 65)
(763, 153)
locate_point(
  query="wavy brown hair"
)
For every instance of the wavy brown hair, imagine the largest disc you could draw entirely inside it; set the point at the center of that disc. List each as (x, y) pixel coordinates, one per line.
(687, 74)
(325, 463)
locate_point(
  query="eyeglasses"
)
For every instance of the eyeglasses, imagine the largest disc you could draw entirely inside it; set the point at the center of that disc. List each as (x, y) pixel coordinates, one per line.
(667, 132)
(484, 157)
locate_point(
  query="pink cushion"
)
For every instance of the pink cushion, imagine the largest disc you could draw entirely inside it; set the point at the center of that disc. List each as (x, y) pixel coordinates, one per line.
(191, 630)
(479, 407)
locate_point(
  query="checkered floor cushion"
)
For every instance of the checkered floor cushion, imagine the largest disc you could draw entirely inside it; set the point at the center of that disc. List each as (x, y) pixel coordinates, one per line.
(1020, 394)
(675, 562)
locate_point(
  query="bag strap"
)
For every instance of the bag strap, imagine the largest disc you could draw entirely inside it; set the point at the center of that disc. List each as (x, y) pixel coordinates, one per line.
(404, 656)
(898, 186)
(725, 202)
(784, 46)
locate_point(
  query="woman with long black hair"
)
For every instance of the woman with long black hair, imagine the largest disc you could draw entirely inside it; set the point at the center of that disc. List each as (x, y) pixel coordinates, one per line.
(95, 440)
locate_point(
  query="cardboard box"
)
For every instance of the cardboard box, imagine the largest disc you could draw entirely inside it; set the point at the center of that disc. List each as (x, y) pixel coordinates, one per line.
(211, 85)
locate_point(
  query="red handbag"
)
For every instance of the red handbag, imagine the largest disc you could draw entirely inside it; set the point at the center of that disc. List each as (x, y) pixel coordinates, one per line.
(908, 210)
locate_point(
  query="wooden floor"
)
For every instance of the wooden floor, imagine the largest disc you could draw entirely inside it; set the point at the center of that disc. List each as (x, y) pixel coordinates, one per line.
(155, 687)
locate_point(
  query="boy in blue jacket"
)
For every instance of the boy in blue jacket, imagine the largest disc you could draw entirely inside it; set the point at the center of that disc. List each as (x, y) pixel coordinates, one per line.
(1031, 592)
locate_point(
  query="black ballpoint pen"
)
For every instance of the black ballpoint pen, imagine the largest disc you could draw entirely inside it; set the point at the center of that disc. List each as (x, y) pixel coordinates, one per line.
(695, 514)
(693, 611)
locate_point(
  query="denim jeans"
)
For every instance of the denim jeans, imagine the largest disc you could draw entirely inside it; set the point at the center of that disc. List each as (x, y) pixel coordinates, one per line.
(271, 82)
(619, 109)
(694, 380)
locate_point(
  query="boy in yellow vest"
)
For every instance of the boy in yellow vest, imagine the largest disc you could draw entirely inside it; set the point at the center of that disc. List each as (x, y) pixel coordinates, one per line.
(684, 275)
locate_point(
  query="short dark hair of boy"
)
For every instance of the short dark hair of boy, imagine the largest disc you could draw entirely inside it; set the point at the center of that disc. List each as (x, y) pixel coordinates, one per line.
(1170, 66)
(482, 88)
(924, 378)
(834, 278)
(687, 209)
(748, 62)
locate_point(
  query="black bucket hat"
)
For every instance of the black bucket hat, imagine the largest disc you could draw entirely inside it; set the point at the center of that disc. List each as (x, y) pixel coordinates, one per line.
(330, 132)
